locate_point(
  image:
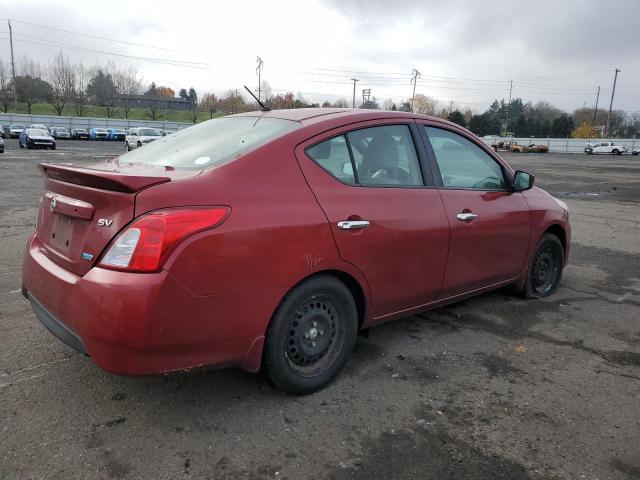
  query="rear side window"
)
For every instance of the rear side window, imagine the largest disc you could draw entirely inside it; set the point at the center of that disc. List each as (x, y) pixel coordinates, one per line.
(333, 156)
(211, 143)
(376, 156)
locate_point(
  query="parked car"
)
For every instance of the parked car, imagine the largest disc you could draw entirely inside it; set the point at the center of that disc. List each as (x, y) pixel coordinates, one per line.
(98, 134)
(116, 134)
(1, 145)
(60, 133)
(40, 126)
(36, 138)
(604, 147)
(15, 130)
(5, 131)
(139, 136)
(531, 148)
(191, 252)
(635, 151)
(79, 134)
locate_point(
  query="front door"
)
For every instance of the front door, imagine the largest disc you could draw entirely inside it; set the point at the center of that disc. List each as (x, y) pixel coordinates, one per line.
(489, 222)
(386, 220)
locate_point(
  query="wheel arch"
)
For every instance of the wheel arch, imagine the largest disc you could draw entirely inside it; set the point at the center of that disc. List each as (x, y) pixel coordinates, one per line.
(253, 359)
(559, 231)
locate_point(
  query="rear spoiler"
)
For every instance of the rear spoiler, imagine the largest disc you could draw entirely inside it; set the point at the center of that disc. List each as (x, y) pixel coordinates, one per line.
(102, 179)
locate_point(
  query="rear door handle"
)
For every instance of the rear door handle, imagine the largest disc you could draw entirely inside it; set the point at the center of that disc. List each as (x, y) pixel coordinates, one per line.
(466, 216)
(353, 224)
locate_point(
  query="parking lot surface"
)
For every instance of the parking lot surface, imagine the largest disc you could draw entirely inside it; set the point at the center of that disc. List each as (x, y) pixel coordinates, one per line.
(492, 387)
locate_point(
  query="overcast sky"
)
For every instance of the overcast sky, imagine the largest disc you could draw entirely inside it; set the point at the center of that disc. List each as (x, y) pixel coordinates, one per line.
(466, 51)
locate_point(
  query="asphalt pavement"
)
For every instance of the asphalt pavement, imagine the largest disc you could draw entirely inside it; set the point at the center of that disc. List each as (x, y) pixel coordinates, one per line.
(493, 387)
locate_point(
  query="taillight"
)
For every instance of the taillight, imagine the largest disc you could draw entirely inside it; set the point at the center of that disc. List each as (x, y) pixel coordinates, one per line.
(145, 244)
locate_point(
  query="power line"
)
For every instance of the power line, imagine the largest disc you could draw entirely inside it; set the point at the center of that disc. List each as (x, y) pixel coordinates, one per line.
(64, 46)
(91, 36)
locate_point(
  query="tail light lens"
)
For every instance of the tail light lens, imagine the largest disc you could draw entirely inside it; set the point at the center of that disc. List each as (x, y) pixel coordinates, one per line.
(145, 244)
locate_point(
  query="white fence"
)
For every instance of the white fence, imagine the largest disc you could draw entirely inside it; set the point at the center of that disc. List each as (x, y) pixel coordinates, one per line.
(85, 122)
(564, 145)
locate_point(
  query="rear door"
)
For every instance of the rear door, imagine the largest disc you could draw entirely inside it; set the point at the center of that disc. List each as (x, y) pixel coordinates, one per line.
(489, 222)
(385, 214)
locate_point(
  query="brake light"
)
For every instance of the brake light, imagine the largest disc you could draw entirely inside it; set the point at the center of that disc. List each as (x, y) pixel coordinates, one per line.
(146, 243)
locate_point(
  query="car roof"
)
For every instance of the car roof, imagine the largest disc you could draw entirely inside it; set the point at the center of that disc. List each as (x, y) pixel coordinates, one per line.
(308, 116)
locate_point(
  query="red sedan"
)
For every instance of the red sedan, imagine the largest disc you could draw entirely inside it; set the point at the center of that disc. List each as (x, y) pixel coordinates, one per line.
(269, 239)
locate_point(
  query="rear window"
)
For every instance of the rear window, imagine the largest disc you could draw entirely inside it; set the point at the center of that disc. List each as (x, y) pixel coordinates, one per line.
(149, 132)
(211, 143)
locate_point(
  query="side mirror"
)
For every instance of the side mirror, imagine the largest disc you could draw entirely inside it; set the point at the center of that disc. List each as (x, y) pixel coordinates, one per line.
(522, 181)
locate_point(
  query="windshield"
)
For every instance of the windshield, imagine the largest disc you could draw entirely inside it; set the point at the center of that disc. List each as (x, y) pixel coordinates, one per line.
(16, 127)
(149, 132)
(100, 130)
(210, 143)
(61, 130)
(38, 132)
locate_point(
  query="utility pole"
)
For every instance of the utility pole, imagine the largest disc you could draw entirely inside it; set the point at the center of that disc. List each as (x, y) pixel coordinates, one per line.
(13, 67)
(613, 92)
(366, 96)
(595, 110)
(506, 122)
(259, 72)
(353, 103)
(414, 79)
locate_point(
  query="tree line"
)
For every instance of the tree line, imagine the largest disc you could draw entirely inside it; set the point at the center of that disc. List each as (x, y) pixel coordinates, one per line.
(73, 87)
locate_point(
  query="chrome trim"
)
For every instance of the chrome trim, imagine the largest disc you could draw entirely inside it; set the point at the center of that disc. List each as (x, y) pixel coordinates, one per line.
(466, 216)
(353, 224)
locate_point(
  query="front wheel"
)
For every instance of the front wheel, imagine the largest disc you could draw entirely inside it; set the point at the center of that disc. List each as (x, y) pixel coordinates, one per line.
(311, 335)
(545, 268)
(127, 148)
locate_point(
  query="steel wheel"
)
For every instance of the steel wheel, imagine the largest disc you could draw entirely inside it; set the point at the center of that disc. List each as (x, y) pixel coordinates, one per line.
(311, 343)
(311, 335)
(545, 269)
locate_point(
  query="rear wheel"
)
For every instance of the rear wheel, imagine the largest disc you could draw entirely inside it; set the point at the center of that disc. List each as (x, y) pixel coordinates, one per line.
(545, 269)
(127, 148)
(311, 335)
(139, 144)
(616, 151)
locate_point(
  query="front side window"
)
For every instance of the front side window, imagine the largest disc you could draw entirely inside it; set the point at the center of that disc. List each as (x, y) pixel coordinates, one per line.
(462, 163)
(375, 156)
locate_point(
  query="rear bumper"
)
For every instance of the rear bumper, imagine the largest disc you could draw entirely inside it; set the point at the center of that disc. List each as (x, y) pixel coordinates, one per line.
(56, 327)
(136, 324)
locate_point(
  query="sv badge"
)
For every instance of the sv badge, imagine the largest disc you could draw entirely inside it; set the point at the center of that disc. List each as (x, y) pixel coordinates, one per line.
(104, 222)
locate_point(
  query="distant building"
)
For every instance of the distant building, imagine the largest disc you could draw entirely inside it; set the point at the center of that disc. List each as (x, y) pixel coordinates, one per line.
(161, 103)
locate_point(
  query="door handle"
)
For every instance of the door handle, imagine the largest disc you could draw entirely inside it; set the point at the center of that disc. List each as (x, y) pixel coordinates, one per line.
(353, 224)
(466, 216)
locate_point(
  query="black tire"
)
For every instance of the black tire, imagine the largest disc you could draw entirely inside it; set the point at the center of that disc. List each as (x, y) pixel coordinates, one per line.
(311, 335)
(139, 144)
(545, 268)
(53, 147)
(615, 151)
(127, 148)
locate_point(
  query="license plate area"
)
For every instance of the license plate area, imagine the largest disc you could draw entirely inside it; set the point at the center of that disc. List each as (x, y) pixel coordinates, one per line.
(62, 230)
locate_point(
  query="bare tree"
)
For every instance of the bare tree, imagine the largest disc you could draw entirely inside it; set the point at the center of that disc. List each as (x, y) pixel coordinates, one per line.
(127, 85)
(80, 82)
(209, 103)
(62, 80)
(154, 111)
(6, 95)
(425, 105)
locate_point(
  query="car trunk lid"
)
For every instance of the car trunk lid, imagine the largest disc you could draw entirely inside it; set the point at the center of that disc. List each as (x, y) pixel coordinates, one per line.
(83, 208)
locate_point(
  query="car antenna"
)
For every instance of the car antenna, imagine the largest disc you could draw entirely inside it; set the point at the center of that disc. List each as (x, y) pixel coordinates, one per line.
(263, 107)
